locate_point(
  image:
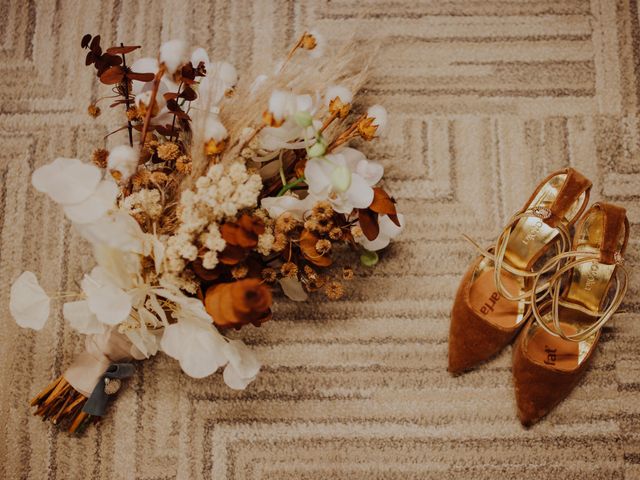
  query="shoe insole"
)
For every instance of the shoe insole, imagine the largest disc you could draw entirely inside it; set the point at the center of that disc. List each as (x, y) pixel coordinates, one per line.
(490, 305)
(553, 351)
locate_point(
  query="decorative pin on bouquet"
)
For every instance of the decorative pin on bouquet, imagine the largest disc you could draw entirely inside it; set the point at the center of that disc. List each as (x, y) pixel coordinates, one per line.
(221, 194)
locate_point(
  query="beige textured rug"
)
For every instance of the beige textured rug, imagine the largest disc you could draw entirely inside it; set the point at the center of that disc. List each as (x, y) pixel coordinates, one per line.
(485, 97)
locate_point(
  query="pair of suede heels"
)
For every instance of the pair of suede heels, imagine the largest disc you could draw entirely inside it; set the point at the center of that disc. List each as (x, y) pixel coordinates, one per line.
(550, 292)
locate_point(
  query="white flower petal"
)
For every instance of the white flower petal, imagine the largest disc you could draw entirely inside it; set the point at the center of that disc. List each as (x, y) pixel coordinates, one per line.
(67, 180)
(199, 349)
(304, 103)
(29, 304)
(360, 194)
(390, 229)
(351, 157)
(317, 173)
(233, 379)
(243, 366)
(203, 355)
(106, 300)
(370, 171)
(242, 358)
(118, 230)
(292, 288)
(95, 206)
(378, 243)
(81, 319)
(276, 206)
(172, 342)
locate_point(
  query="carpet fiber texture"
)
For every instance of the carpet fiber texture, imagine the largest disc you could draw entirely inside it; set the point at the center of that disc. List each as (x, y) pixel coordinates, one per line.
(485, 98)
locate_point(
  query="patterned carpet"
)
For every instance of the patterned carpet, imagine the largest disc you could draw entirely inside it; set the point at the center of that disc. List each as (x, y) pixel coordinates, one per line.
(485, 98)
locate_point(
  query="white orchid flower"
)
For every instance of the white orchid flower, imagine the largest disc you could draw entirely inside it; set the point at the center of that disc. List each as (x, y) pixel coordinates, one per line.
(286, 109)
(344, 178)
(388, 231)
(29, 304)
(243, 366)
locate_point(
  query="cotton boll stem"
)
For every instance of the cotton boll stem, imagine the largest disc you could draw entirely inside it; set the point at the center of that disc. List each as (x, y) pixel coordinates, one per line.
(152, 101)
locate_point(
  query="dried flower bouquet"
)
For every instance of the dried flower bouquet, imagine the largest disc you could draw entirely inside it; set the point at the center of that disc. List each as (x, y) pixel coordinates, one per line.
(220, 193)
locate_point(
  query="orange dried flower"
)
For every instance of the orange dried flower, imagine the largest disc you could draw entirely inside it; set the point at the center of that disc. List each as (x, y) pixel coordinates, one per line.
(335, 233)
(93, 110)
(133, 114)
(269, 275)
(308, 41)
(285, 223)
(289, 270)
(334, 290)
(239, 272)
(159, 177)
(141, 178)
(99, 157)
(280, 243)
(348, 273)
(323, 246)
(239, 303)
(183, 164)
(322, 210)
(168, 151)
(367, 129)
(212, 147)
(339, 108)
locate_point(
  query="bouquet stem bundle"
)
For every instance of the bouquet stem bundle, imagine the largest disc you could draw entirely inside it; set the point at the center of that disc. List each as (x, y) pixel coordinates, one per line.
(60, 402)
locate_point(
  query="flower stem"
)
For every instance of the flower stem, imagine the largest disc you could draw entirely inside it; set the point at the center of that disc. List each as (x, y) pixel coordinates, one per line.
(126, 98)
(290, 185)
(152, 101)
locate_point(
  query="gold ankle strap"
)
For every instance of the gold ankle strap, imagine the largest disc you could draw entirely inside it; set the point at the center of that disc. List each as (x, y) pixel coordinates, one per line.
(554, 291)
(500, 248)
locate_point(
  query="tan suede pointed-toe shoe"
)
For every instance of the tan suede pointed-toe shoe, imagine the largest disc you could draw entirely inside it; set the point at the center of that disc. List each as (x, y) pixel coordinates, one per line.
(556, 346)
(491, 303)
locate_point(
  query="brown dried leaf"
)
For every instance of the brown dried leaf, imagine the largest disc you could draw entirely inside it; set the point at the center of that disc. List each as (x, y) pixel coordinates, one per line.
(85, 40)
(382, 202)
(369, 223)
(112, 75)
(141, 77)
(307, 245)
(122, 50)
